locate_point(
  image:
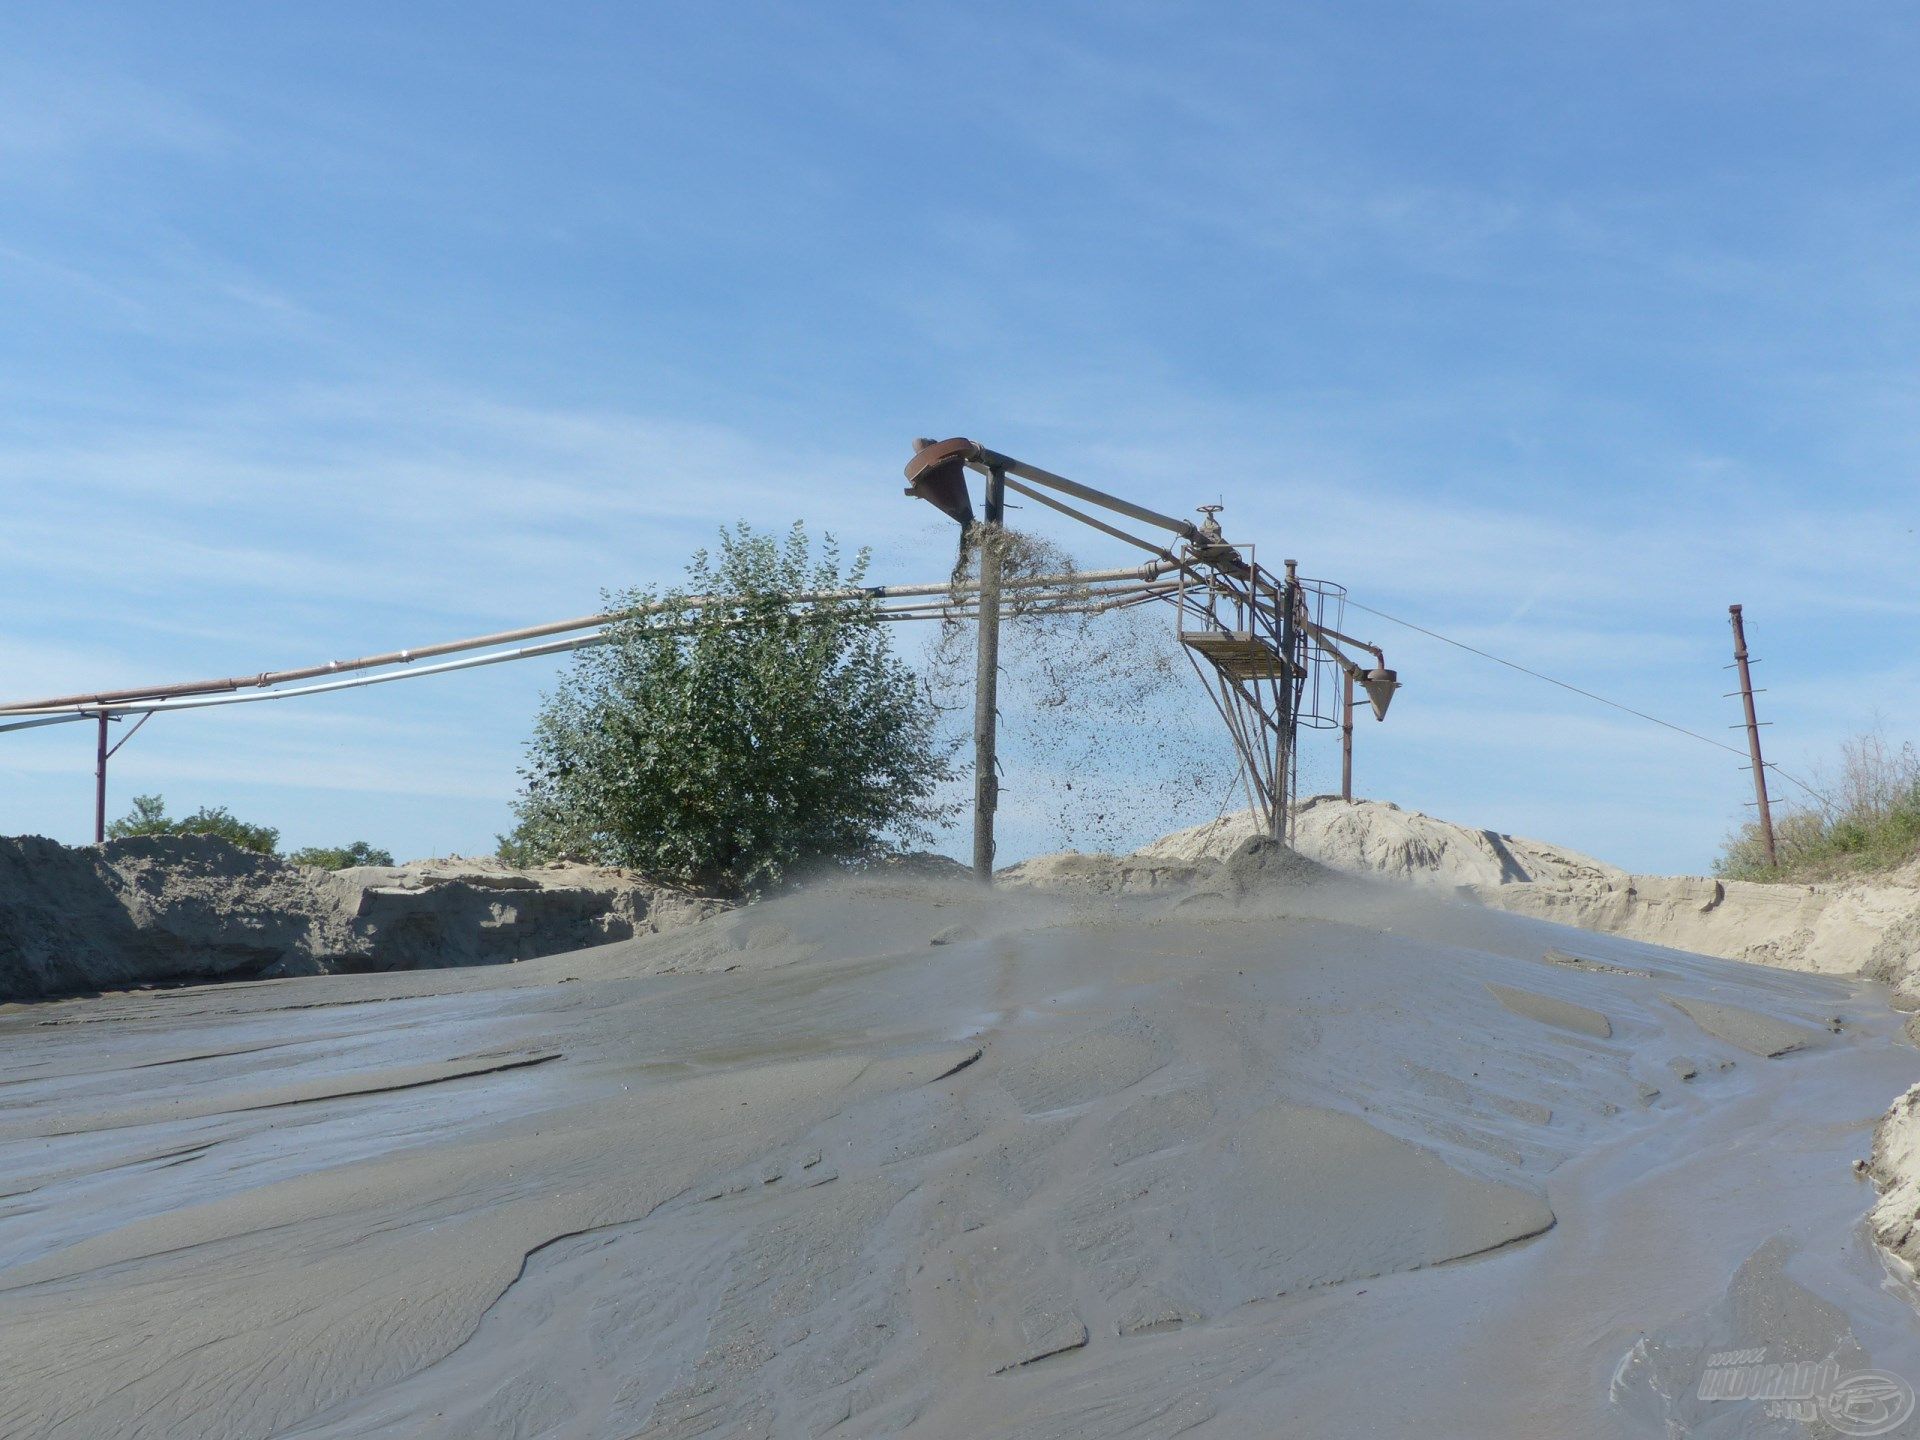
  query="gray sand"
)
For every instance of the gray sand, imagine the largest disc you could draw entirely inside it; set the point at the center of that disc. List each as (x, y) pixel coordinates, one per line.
(1336, 1162)
(1750, 1030)
(1549, 1011)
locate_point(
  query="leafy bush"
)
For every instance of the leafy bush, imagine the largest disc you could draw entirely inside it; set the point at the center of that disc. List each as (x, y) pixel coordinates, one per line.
(726, 746)
(341, 857)
(1867, 819)
(149, 817)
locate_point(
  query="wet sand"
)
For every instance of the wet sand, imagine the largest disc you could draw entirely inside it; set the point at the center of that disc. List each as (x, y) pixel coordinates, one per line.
(1351, 1161)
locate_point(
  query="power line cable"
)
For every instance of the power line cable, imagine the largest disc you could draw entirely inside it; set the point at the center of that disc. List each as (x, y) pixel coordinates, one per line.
(1588, 694)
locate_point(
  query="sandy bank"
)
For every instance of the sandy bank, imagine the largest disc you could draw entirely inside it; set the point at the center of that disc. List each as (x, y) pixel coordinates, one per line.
(144, 911)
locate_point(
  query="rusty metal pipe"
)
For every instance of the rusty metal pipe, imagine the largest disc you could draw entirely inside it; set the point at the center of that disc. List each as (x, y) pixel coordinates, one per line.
(1322, 632)
(1346, 739)
(1159, 551)
(992, 460)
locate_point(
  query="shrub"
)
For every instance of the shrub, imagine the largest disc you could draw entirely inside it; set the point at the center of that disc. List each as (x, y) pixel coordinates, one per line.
(149, 817)
(341, 857)
(726, 746)
(1868, 818)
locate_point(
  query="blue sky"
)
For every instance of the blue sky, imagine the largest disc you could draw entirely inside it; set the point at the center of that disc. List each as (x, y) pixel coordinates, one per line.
(1555, 328)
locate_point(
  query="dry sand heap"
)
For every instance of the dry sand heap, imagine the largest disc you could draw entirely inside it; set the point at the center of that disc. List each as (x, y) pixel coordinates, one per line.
(1375, 837)
(1286, 1153)
(1868, 926)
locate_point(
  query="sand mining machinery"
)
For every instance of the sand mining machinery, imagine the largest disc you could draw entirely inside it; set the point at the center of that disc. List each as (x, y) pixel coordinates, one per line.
(1268, 647)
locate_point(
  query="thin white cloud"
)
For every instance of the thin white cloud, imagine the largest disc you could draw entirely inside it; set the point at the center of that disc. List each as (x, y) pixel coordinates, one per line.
(70, 115)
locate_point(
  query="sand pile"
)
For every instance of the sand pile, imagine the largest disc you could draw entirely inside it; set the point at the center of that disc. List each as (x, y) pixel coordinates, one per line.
(1869, 927)
(1375, 837)
(142, 911)
(894, 1154)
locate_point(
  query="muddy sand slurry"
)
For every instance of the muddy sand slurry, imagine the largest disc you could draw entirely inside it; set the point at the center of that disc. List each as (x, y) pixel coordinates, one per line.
(1320, 1159)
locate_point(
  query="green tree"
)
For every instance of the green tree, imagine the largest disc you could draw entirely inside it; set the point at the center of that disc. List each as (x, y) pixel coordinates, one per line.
(725, 747)
(341, 857)
(149, 817)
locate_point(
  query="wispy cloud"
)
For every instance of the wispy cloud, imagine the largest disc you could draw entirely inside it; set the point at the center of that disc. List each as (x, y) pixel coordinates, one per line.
(69, 116)
(1554, 331)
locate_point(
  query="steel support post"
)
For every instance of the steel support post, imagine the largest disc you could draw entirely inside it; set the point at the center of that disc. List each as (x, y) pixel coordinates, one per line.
(986, 682)
(1283, 741)
(100, 785)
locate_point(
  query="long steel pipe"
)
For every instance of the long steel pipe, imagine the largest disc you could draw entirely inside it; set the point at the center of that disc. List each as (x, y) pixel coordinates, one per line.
(93, 702)
(1093, 601)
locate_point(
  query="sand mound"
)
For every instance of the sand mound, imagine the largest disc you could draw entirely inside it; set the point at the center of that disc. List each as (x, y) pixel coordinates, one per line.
(1110, 1169)
(1071, 872)
(1374, 837)
(1362, 837)
(196, 907)
(1869, 927)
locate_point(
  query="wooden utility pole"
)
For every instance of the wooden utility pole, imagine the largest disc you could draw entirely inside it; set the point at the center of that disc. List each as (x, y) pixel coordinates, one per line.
(1753, 734)
(1346, 741)
(986, 680)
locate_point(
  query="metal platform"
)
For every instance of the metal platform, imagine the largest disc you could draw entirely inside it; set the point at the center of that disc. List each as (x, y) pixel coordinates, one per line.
(1237, 654)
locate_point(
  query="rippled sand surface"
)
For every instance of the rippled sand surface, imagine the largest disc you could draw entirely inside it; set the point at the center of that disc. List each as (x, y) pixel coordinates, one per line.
(899, 1158)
